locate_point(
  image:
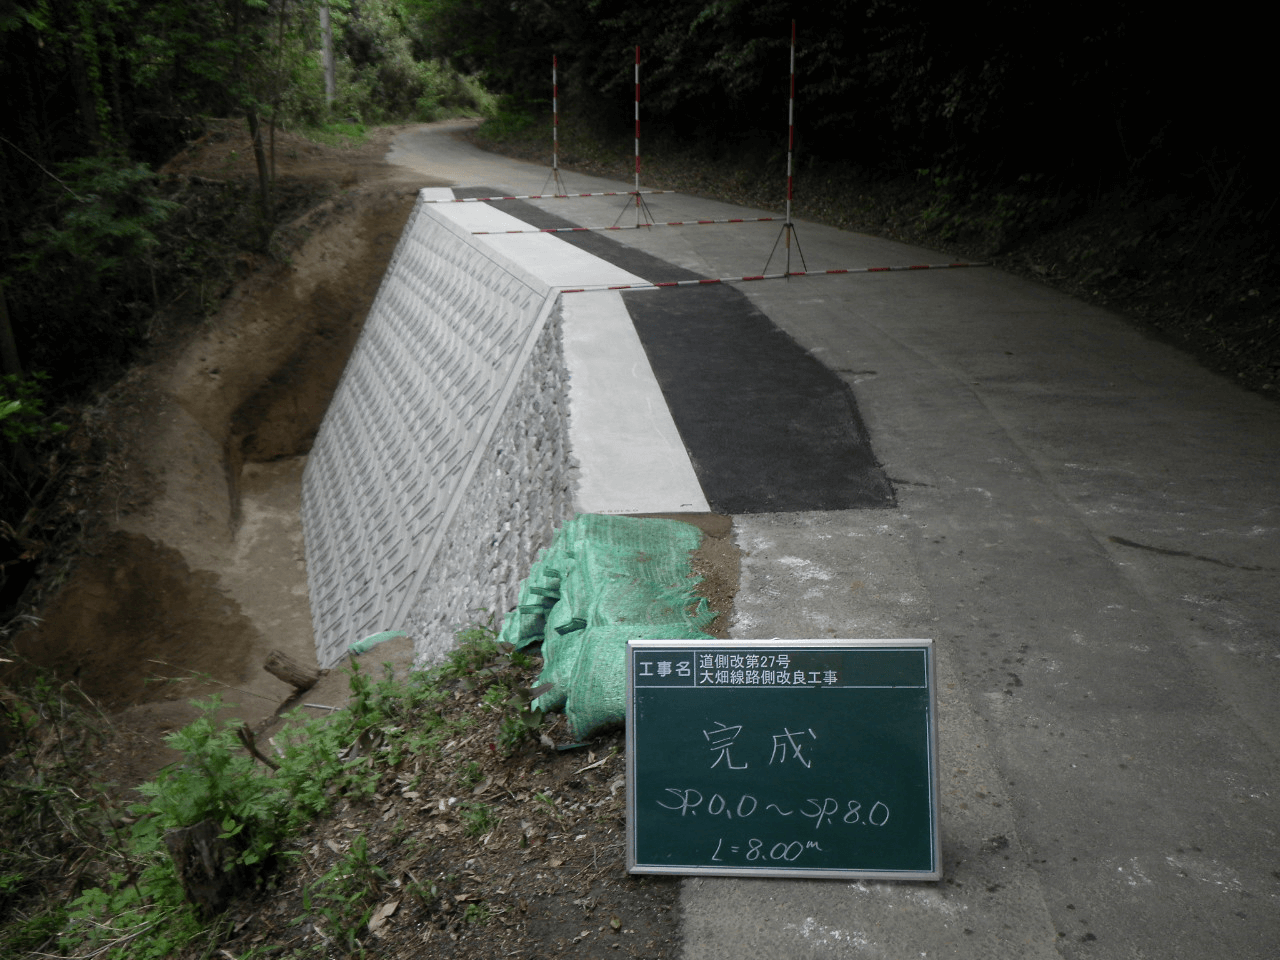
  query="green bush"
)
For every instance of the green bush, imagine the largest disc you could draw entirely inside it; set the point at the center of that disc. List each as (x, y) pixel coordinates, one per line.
(22, 414)
(217, 780)
(380, 79)
(93, 255)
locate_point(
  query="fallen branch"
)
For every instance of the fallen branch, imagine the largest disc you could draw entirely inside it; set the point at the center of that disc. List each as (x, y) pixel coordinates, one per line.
(287, 669)
(250, 744)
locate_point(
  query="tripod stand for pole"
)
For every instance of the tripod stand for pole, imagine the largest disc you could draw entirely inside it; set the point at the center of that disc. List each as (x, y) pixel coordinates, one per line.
(639, 201)
(640, 204)
(788, 230)
(554, 175)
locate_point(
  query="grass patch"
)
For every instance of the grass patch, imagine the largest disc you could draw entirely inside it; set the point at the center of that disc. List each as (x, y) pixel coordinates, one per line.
(338, 133)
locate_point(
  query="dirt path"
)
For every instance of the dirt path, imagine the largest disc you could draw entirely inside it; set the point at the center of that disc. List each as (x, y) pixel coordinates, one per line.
(202, 571)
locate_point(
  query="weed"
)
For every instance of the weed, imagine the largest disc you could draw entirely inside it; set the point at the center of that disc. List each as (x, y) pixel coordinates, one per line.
(137, 907)
(520, 660)
(29, 933)
(338, 133)
(22, 413)
(523, 725)
(469, 774)
(495, 696)
(511, 734)
(477, 914)
(50, 814)
(424, 893)
(509, 121)
(344, 896)
(405, 714)
(480, 659)
(217, 781)
(478, 819)
(477, 646)
(358, 868)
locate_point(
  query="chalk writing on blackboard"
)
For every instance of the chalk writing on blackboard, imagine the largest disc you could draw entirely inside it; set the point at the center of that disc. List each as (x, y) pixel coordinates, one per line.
(721, 738)
(788, 744)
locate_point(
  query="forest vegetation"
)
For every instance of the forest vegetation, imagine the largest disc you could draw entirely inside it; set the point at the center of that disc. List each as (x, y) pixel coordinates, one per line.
(101, 253)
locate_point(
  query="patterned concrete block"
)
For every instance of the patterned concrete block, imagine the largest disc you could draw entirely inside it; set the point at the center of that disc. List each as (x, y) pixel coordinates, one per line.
(442, 465)
(441, 343)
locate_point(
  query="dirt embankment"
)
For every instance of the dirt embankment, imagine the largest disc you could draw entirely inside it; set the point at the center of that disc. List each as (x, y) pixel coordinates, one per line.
(199, 572)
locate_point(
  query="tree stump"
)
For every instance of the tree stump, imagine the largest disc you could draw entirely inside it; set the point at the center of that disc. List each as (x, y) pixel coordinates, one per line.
(290, 671)
(206, 865)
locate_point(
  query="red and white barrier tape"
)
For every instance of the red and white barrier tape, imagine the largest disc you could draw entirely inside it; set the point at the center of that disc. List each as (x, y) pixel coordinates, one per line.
(769, 276)
(547, 196)
(640, 226)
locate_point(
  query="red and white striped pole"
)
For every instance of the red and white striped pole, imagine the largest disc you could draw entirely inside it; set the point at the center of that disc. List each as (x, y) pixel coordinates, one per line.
(555, 123)
(788, 228)
(791, 138)
(637, 133)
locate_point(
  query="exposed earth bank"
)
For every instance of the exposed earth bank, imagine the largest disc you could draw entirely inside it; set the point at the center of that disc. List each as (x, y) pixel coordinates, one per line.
(197, 571)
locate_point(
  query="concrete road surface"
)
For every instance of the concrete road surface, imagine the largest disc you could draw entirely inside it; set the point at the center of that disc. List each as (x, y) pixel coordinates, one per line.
(1088, 524)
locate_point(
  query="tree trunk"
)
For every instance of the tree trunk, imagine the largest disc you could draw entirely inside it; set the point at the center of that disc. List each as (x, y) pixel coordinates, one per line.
(326, 47)
(264, 172)
(206, 865)
(82, 78)
(10, 362)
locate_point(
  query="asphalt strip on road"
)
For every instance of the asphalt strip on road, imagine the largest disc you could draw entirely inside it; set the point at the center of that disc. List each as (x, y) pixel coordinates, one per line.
(768, 428)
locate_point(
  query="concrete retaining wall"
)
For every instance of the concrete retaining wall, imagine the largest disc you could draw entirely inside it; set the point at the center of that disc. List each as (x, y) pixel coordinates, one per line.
(442, 466)
(520, 494)
(422, 397)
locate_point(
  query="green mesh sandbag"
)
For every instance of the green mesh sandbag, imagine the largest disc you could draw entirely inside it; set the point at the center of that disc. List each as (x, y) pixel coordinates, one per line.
(510, 632)
(562, 637)
(560, 652)
(618, 578)
(597, 697)
(538, 594)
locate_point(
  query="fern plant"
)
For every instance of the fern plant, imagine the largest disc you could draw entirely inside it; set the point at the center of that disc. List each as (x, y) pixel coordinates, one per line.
(216, 780)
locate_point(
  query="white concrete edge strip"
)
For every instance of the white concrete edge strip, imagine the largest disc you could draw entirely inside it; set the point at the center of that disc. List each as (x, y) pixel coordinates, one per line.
(539, 259)
(621, 432)
(630, 455)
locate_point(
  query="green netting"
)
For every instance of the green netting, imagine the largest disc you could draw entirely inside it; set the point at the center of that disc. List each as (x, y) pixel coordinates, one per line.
(605, 580)
(538, 593)
(597, 696)
(371, 641)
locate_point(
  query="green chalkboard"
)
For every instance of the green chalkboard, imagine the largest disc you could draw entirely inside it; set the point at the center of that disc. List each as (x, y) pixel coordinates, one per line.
(811, 758)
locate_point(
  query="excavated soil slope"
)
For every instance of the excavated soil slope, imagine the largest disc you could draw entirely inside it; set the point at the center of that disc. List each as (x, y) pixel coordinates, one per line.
(200, 573)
